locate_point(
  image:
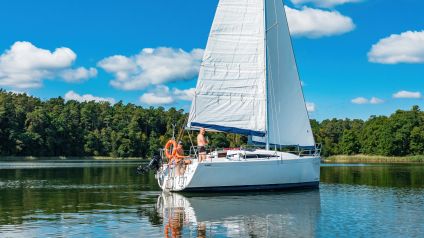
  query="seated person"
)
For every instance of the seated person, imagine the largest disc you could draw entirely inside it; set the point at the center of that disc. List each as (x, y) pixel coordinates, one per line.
(180, 159)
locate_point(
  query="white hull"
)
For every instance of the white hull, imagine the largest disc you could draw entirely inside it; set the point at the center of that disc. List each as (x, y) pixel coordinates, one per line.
(281, 170)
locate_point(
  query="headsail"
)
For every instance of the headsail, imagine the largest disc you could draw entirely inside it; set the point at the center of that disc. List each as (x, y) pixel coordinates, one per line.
(248, 81)
(288, 118)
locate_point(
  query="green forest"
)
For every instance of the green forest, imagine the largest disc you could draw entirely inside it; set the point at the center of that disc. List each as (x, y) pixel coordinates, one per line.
(55, 127)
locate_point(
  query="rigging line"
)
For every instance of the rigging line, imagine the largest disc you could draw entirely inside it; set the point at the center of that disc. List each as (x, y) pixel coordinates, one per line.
(271, 96)
(192, 145)
(181, 132)
(272, 84)
(266, 77)
(273, 25)
(278, 62)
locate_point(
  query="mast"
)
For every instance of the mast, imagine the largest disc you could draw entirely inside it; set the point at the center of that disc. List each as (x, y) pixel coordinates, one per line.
(266, 80)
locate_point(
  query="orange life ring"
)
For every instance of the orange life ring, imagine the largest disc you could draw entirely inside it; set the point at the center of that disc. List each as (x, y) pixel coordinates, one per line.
(169, 152)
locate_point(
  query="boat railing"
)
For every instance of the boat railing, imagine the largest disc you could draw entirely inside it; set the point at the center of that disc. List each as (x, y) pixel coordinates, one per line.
(304, 151)
(191, 153)
(297, 150)
(169, 170)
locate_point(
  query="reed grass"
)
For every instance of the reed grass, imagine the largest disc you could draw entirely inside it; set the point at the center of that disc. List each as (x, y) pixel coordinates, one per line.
(373, 159)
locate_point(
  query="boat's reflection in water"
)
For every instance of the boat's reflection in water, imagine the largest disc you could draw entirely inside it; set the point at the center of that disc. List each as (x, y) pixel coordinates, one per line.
(289, 214)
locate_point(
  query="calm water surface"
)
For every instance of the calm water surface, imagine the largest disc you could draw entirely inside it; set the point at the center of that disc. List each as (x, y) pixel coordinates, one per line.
(109, 200)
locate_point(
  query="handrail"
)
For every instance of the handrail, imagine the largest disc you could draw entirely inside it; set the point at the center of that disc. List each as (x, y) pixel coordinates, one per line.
(193, 151)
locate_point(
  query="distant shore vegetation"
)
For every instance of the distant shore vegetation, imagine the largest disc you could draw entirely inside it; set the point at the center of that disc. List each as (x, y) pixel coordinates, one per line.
(374, 159)
(400, 134)
(55, 127)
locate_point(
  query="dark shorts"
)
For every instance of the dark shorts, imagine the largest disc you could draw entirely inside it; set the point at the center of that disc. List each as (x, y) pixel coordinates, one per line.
(201, 149)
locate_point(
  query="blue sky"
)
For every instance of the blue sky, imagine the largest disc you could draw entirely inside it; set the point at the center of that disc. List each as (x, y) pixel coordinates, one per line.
(94, 50)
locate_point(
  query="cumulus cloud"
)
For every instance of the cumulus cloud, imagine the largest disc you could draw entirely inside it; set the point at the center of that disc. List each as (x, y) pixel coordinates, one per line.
(407, 94)
(152, 67)
(375, 100)
(162, 95)
(315, 23)
(310, 107)
(408, 47)
(71, 95)
(26, 66)
(185, 95)
(324, 3)
(362, 100)
(154, 99)
(159, 96)
(79, 74)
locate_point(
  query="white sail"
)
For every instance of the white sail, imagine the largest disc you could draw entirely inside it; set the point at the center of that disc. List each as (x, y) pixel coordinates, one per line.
(288, 120)
(248, 82)
(230, 93)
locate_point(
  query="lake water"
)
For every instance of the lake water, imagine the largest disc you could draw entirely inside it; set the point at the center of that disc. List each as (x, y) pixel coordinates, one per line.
(110, 200)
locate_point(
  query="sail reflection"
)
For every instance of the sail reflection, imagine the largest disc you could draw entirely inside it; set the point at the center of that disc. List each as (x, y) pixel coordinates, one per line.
(240, 215)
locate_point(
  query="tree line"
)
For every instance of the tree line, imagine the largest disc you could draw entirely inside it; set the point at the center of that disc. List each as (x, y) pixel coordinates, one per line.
(400, 134)
(32, 127)
(55, 127)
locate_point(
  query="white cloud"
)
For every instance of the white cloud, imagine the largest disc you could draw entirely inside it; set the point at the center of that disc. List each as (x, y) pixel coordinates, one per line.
(162, 95)
(118, 63)
(407, 94)
(153, 99)
(152, 67)
(26, 66)
(324, 3)
(71, 95)
(159, 96)
(185, 95)
(310, 107)
(375, 100)
(79, 74)
(408, 47)
(315, 23)
(362, 100)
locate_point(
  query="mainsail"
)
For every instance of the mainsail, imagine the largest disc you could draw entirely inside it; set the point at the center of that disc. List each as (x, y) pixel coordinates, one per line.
(248, 81)
(230, 93)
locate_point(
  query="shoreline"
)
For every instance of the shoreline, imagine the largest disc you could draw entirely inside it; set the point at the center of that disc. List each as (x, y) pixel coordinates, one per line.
(418, 159)
(66, 158)
(332, 159)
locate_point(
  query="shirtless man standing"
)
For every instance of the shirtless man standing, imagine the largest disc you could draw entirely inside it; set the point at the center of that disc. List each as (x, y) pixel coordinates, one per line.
(201, 144)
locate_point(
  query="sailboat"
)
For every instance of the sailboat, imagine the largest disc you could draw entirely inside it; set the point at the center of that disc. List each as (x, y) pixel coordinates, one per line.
(249, 84)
